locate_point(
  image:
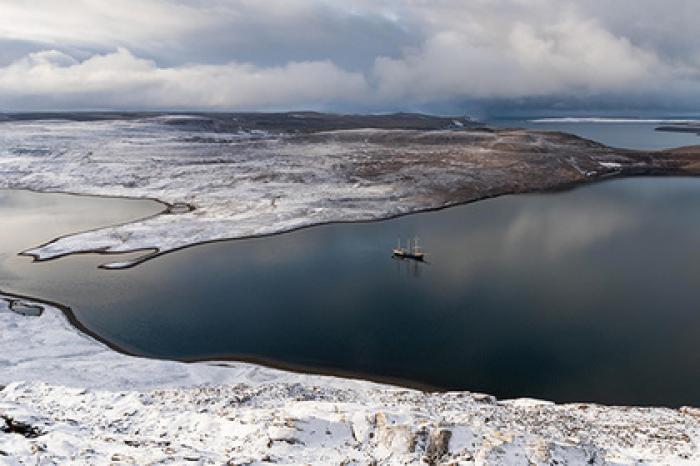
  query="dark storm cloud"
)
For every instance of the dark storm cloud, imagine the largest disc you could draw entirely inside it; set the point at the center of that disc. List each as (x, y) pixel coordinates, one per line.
(363, 55)
(351, 41)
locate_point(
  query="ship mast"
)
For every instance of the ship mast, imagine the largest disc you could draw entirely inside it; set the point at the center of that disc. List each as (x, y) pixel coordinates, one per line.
(416, 248)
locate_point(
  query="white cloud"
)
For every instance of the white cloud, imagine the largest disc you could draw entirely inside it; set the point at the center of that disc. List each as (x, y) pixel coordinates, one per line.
(122, 80)
(532, 55)
(245, 54)
(99, 22)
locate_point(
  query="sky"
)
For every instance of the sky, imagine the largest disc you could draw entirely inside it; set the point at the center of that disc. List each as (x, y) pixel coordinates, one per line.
(483, 57)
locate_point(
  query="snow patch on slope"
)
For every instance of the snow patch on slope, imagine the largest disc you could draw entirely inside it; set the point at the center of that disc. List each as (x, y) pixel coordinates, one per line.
(250, 183)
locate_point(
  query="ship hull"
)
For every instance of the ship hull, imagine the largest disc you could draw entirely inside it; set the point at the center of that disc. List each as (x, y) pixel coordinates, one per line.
(403, 255)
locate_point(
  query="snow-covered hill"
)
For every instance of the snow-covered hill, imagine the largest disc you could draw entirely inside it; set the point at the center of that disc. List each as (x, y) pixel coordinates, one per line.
(243, 181)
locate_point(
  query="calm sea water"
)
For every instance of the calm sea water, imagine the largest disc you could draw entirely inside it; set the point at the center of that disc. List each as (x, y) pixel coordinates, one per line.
(630, 134)
(589, 294)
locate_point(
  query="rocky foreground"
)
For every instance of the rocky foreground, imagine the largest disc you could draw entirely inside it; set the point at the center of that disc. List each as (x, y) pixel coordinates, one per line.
(67, 399)
(237, 175)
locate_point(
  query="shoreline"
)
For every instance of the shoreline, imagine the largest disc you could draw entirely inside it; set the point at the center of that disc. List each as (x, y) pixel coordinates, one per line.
(316, 177)
(224, 360)
(98, 403)
(301, 368)
(90, 404)
(155, 252)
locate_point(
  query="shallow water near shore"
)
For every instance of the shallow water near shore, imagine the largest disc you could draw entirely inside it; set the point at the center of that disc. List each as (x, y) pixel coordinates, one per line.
(588, 294)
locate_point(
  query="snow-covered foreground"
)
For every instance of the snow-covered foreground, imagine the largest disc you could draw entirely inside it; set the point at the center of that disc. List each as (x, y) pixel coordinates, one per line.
(67, 399)
(249, 182)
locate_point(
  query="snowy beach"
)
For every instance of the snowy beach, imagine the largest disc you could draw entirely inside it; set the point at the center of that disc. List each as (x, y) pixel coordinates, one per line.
(68, 399)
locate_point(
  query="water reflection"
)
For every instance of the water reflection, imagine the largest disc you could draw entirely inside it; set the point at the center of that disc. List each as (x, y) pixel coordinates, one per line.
(28, 219)
(409, 267)
(583, 295)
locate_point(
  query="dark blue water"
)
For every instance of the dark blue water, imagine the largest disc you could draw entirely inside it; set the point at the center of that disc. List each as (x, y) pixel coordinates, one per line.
(589, 294)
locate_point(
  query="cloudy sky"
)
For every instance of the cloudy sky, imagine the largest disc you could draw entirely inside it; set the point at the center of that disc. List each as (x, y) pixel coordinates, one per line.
(447, 56)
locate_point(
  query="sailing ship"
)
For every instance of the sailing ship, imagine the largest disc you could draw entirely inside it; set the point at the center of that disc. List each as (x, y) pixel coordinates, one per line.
(413, 251)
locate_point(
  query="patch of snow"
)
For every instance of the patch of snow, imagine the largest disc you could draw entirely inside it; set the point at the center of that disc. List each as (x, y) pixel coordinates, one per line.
(526, 402)
(610, 164)
(69, 399)
(231, 179)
